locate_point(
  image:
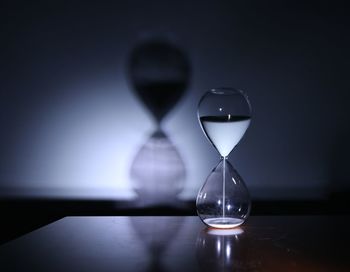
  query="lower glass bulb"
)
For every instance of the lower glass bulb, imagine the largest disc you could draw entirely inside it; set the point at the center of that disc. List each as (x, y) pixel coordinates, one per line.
(223, 201)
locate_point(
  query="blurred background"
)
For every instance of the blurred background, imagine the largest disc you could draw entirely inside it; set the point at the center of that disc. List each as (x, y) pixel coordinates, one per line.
(98, 99)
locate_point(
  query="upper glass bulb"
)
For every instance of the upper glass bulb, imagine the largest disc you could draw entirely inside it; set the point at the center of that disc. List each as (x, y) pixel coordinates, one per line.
(224, 115)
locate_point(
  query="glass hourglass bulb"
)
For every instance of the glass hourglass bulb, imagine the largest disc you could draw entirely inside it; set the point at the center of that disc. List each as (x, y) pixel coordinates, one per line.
(224, 115)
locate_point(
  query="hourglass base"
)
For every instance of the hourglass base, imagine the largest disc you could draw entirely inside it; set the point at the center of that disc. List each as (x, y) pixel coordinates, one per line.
(223, 222)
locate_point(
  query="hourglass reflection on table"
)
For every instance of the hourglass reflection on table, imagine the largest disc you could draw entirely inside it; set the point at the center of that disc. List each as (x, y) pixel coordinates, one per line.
(224, 115)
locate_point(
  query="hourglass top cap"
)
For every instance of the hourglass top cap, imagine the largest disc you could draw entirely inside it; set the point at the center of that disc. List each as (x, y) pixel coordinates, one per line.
(227, 91)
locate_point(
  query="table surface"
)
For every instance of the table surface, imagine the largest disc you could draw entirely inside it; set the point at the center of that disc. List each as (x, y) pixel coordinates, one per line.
(181, 243)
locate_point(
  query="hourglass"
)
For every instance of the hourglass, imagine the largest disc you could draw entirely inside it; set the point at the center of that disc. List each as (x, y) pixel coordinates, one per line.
(224, 115)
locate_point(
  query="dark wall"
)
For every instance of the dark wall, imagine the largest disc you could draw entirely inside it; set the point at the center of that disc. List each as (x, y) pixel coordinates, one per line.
(71, 124)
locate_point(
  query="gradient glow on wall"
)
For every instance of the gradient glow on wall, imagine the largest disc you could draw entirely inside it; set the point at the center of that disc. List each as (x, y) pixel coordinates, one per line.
(71, 124)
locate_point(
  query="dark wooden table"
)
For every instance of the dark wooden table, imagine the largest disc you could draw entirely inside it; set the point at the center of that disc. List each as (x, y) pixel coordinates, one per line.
(181, 243)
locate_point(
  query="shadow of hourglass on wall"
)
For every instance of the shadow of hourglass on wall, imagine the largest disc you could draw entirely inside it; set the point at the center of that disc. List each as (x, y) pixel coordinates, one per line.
(159, 74)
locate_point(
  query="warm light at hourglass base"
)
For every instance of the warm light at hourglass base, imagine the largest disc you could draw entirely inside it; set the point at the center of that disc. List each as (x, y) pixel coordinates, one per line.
(223, 201)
